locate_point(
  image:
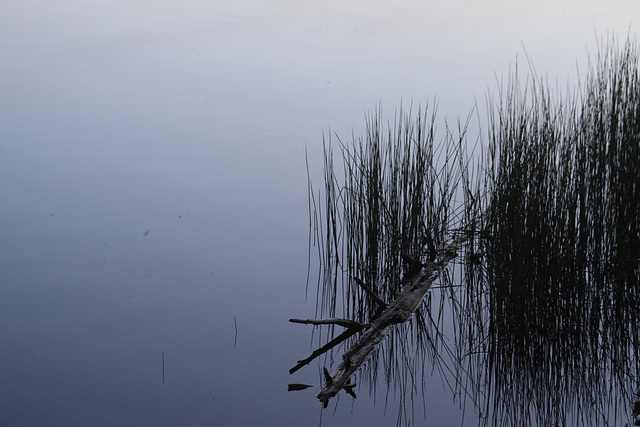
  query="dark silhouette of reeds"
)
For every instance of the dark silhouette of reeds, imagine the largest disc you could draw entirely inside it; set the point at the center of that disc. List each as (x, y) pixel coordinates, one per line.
(543, 310)
(561, 250)
(393, 209)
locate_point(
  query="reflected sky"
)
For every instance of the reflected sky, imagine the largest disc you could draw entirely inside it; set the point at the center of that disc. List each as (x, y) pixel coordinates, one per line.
(190, 120)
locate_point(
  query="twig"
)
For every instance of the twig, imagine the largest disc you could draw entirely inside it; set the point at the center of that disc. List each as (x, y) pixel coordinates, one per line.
(235, 323)
(370, 292)
(298, 387)
(328, 346)
(350, 324)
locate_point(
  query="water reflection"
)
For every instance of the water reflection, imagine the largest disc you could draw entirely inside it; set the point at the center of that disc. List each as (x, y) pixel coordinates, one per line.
(536, 320)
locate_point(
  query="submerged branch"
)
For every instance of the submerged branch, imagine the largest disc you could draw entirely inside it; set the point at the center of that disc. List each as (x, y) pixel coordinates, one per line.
(370, 292)
(398, 311)
(298, 387)
(350, 324)
(328, 346)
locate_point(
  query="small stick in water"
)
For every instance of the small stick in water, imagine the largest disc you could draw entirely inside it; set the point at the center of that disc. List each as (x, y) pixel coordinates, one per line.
(163, 367)
(298, 387)
(235, 323)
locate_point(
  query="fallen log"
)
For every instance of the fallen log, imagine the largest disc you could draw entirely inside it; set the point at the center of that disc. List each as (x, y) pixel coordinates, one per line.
(398, 311)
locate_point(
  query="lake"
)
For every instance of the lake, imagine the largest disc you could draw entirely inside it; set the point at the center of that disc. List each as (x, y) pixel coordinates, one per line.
(155, 216)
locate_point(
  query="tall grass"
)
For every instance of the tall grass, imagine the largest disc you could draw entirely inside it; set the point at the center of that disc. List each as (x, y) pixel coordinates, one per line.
(562, 261)
(543, 313)
(394, 205)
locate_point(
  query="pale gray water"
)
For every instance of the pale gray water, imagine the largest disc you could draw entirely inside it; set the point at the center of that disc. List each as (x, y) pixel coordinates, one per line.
(154, 188)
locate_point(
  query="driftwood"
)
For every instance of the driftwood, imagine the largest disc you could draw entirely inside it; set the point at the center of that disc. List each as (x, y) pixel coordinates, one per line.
(398, 311)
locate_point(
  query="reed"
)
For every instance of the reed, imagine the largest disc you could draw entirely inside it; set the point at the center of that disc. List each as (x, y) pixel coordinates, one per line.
(393, 203)
(538, 322)
(561, 265)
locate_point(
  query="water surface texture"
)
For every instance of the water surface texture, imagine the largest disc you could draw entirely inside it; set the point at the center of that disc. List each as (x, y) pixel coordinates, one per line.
(154, 226)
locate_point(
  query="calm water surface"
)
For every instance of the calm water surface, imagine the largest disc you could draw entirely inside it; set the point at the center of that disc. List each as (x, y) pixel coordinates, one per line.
(154, 200)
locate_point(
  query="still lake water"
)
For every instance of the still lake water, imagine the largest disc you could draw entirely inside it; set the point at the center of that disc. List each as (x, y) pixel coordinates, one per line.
(154, 201)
